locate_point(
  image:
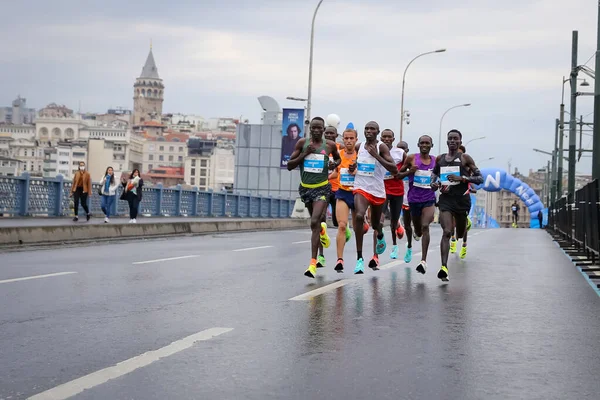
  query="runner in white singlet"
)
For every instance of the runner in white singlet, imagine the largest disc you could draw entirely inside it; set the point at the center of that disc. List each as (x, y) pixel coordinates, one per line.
(369, 191)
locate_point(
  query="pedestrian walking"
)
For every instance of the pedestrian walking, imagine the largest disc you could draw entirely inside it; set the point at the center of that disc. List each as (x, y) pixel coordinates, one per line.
(108, 192)
(132, 192)
(82, 187)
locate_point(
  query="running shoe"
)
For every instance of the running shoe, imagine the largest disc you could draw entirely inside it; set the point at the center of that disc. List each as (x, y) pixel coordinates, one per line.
(339, 267)
(380, 246)
(360, 268)
(320, 262)
(311, 271)
(408, 254)
(422, 267)
(324, 237)
(469, 224)
(417, 238)
(443, 274)
(365, 228)
(463, 252)
(452, 246)
(348, 234)
(394, 253)
(374, 263)
(400, 231)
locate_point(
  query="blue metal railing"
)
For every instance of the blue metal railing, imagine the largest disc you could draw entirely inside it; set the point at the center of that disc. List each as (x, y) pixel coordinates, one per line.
(27, 196)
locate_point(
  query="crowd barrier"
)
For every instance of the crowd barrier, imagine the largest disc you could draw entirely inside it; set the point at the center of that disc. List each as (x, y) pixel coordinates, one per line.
(576, 219)
(26, 196)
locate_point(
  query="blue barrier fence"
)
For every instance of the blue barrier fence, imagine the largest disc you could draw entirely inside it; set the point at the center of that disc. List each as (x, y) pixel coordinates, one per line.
(27, 196)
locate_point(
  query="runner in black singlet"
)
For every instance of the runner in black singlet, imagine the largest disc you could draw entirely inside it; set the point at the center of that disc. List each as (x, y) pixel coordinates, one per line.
(452, 174)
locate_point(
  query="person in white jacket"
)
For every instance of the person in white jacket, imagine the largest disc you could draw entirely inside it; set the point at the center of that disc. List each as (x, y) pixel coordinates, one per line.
(108, 190)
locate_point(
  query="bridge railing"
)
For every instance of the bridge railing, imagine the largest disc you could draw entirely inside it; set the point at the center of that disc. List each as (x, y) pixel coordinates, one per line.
(576, 218)
(27, 196)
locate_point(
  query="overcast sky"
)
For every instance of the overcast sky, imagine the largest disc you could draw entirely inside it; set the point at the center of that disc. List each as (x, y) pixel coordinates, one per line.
(507, 58)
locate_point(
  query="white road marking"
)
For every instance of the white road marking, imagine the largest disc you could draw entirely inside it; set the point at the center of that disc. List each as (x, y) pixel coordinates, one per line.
(254, 248)
(164, 259)
(321, 290)
(36, 277)
(94, 379)
(303, 241)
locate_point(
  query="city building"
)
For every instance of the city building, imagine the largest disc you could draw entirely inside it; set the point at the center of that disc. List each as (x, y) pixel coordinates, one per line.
(212, 169)
(164, 151)
(18, 113)
(167, 176)
(148, 94)
(64, 158)
(10, 166)
(183, 123)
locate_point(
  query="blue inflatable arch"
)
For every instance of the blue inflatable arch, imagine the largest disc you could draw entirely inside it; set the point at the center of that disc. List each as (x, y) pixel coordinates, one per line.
(495, 179)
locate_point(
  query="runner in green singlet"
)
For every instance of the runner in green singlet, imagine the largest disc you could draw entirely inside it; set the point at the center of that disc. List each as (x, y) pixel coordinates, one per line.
(312, 156)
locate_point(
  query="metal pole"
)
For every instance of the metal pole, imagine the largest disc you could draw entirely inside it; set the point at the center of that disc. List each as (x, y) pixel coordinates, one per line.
(310, 65)
(561, 128)
(596, 138)
(554, 162)
(573, 117)
(403, 81)
(442, 120)
(548, 185)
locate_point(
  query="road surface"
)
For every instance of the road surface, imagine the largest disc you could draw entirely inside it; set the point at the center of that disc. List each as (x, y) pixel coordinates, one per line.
(232, 317)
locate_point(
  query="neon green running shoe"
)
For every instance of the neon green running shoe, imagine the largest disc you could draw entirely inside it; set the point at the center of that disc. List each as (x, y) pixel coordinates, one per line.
(320, 262)
(324, 237)
(348, 234)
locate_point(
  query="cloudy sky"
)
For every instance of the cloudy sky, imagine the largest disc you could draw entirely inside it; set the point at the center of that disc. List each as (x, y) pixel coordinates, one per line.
(506, 57)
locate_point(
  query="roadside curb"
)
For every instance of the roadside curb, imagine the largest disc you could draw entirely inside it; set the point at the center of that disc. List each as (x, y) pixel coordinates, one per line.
(12, 238)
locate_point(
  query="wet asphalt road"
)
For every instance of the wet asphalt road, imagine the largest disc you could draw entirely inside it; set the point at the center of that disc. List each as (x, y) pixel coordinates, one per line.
(517, 320)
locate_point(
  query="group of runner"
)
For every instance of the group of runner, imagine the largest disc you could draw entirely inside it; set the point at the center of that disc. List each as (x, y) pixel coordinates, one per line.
(364, 179)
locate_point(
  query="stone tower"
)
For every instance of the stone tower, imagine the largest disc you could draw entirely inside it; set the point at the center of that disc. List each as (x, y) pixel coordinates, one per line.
(148, 93)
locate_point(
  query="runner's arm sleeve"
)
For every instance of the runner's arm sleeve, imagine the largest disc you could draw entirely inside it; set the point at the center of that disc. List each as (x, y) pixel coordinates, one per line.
(476, 176)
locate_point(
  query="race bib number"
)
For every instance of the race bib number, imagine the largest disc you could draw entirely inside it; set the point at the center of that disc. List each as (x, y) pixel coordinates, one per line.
(346, 178)
(514, 208)
(366, 166)
(422, 179)
(314, 163)
(447, 171)
(388, 175)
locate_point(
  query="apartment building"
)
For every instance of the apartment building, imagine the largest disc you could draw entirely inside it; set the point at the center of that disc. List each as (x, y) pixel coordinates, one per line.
(64, 159)
(169, 150)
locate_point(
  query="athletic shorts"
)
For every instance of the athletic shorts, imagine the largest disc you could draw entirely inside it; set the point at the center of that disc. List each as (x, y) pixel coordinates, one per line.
(457, 205)
(345, 196)
(416, 209)
(310, 195)
(374, 201)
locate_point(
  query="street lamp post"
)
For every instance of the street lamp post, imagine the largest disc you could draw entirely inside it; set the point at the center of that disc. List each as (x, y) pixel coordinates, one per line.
(310, 65)
(573, 120)
(472, 140)
(403, 81)
(442, 119)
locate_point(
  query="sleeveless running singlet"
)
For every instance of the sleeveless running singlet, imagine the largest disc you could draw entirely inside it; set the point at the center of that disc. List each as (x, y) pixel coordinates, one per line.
(370, 173)
(454, 167)
(393, 186)
(420, 183)
(314, 171)
(345, 178)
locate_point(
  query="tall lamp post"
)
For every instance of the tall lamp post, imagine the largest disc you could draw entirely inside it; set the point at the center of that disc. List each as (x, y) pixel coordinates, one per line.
(310, 65)
(442, 119)
(472, 140)
(404, 80)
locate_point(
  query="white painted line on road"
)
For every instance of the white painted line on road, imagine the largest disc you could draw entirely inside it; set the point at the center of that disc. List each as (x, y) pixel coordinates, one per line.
(36, 277)
(254, 248)
(94, 379)
(163, 259)
(302, 241)
(321, 290)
